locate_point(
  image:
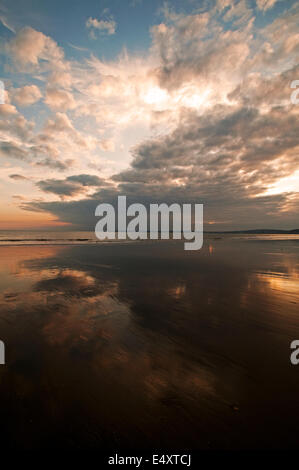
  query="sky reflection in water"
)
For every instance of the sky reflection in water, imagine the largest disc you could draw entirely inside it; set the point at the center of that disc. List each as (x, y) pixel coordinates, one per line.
(148, 346)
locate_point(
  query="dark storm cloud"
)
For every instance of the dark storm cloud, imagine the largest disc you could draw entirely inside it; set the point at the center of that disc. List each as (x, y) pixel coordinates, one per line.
(59, 187)
(86, 180)
(70, 186)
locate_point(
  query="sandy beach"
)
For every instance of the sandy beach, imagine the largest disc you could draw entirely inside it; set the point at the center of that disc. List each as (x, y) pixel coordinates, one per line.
(147, 346)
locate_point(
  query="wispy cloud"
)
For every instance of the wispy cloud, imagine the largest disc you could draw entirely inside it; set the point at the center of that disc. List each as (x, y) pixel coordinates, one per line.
(266, 4)
(6, 23)
(78, 48)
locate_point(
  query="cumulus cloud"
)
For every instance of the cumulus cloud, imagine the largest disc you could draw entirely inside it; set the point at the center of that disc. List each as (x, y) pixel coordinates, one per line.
(6, 109)
(73, 185)
(8, 149)
(59, 99)
(192, 48)
(59, 130)
(59, 187)
(103, 26)
(18, 141)
(27, 95)
(86, 180)
(30, 47)
(35, 155)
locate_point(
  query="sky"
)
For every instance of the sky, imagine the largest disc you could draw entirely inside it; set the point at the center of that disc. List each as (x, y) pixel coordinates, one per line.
(179, 101)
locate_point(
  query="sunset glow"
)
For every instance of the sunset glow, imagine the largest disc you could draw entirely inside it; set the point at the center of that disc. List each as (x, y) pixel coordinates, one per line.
(197, 101)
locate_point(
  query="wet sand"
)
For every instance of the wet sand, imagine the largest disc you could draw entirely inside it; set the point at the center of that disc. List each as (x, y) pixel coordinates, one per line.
(146, 346)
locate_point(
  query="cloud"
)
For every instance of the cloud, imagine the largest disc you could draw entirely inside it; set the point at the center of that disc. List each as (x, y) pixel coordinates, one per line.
(59, 99)
(192, 48)
(107, 145)
(103, 26)
(266, 4)
(18, 177)
(7, 109)
(6, 23)
(36, 155)
(73, 185)
(78, 48)
(260, 212)
(8, 149)
(20, 142)
(204, 116)
(86, 180)
(27, 95)
(30, 47)
(59, 130)
(59, 187)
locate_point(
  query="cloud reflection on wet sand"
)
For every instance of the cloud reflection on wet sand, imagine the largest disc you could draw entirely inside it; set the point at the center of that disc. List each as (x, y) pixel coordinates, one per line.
(147, 346)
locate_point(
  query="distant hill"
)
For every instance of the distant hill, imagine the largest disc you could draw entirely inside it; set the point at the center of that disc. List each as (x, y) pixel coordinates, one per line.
(261, 231)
